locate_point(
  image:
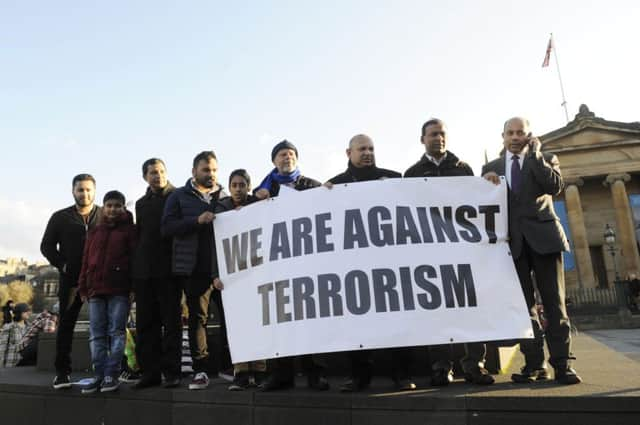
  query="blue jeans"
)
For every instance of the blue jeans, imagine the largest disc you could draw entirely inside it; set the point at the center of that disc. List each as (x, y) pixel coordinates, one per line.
(107, 318)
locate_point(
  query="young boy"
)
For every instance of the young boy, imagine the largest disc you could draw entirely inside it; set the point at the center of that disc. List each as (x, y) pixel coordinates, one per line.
(105, 281)
(239, 188)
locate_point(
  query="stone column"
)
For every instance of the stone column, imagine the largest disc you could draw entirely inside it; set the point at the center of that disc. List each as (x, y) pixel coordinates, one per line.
(625, 231)
(579, 238)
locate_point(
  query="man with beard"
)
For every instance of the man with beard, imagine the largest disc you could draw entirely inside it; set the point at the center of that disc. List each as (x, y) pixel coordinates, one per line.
(437, 161)
(62, 245)
(158, 323)
(286, 173)
(362, 167)
(187, 218)
(537, 240)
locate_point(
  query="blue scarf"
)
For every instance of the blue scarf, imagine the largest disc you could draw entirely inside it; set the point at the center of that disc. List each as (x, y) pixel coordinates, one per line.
(274, 176)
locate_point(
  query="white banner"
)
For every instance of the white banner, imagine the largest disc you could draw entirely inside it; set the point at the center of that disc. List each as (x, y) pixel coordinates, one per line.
(387, 263)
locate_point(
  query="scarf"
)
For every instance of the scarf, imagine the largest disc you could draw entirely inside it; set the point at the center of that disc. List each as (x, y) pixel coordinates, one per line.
(274, 176)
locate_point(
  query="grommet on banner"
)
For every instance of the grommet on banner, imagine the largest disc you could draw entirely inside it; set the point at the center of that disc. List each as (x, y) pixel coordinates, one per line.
(450, 339)
(361, 346)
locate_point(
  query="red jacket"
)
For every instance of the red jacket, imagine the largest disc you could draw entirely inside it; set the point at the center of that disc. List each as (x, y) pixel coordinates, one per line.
(106, 264)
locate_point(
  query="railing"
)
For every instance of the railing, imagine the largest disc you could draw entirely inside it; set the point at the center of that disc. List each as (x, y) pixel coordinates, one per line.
(597, 300)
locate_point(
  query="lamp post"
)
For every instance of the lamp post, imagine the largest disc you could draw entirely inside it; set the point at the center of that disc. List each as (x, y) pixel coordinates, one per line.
(610, 240)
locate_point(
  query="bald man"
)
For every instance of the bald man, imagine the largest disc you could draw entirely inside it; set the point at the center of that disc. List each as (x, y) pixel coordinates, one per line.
(537, 240)
(362, 167)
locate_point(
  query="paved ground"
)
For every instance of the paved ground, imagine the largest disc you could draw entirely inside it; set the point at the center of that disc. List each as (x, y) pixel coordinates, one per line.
(625, 341)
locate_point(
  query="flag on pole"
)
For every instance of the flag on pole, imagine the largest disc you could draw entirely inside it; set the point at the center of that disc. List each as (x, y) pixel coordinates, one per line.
(547, 55)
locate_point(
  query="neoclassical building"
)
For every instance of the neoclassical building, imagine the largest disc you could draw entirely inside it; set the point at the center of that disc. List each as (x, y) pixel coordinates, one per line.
(600, 163)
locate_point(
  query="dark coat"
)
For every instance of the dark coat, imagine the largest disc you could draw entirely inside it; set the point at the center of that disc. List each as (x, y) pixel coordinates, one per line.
(226, 204)
(352, 175)
(451, 166)
(194, 252)
(531, 213)
(153, 253)
(106, 264)
(63, 242)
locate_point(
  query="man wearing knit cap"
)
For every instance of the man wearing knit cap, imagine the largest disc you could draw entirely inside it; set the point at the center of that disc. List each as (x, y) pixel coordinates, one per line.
(285, 159)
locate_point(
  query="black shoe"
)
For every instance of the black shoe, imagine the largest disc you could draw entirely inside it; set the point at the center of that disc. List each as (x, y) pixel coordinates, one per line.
(479, 376)
(404, 384)
(567, 376)
(240, 382)
(355, 384)
(317, 382)
(147, 382)
(274, 383)
(61, 382)
(528, 375)
(441, 377)
(171, 381)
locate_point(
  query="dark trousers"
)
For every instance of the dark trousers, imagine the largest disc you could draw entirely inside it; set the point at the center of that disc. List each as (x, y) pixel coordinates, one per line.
(475, 352)
(283, 368)
(549, 277)
(70, 305)
(362, 364)
(158, 326)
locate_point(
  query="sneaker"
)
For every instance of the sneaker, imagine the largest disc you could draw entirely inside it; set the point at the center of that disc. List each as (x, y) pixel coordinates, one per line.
(227, 375)
(199, 382)
(61, 381)
(92, 386)
(129, 377)
(109, 384)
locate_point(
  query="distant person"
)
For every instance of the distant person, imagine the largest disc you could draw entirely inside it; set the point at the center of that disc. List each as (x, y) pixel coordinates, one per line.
(361, 166)
(63, 245)
(46, 322)
(284, 157)
(245, 373)
(438, 161)
(7, 312)
(537, 240)
(11, 334)
(188, 219)
(105, 282)
(158, 293)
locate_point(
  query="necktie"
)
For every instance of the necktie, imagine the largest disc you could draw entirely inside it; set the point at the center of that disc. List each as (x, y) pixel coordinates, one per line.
(516, 174)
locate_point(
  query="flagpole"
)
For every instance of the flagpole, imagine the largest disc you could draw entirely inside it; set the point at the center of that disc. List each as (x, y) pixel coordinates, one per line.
(564, 100)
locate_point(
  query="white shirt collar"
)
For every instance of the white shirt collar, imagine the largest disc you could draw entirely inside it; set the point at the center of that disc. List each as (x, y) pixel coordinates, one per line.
(434, 160)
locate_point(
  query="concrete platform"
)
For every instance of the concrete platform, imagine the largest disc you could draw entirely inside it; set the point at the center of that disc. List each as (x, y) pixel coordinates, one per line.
(610, 395)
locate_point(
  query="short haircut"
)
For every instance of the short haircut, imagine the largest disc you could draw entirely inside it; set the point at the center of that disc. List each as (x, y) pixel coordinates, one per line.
(430, 121)
(242, 173)
(149, 162)
(82, 177)
(204, 156)
(113, 195)
(524, 120)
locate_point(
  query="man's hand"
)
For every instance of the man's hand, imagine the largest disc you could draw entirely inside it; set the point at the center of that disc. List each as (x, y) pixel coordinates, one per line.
(217, 284)
(132, 297)
(262, 194)
(206, 217)
(492, 177)
(328, 185)
(83, 298)
(534, 145)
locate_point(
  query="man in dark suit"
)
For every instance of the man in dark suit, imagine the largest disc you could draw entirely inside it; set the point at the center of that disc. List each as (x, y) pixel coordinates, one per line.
(537, 240)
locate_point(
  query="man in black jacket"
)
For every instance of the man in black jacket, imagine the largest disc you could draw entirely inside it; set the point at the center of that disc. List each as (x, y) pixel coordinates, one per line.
(157, 292)
(63, 245)
(187, 218)
(438, 161)
(362, 167)
(284, 156)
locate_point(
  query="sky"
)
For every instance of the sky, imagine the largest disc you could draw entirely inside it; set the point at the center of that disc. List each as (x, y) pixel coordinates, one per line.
(98, 87)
